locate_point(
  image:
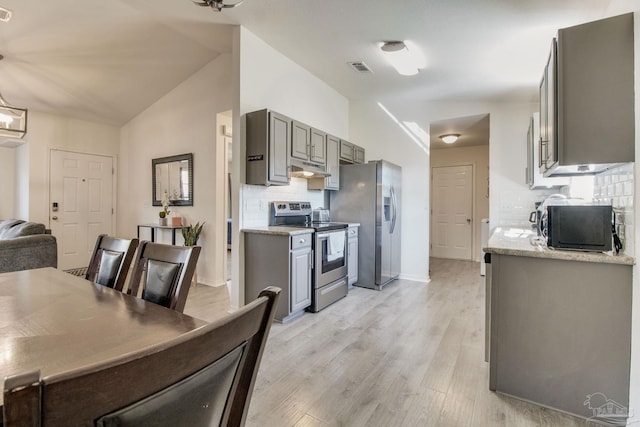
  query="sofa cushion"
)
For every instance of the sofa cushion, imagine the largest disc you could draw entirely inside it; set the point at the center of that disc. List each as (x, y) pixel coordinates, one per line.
(22, 229)
(8, 223)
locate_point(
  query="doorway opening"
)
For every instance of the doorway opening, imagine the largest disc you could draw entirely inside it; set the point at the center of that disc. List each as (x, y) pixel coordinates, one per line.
(459, 187)
(225, 138)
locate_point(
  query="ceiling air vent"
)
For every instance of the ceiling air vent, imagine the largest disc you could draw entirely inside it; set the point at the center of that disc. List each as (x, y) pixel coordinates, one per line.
(360, 67)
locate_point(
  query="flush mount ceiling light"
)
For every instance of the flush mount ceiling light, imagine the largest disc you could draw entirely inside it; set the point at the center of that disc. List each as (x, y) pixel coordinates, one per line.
(449, 138)
(216, 5)
(406, 62)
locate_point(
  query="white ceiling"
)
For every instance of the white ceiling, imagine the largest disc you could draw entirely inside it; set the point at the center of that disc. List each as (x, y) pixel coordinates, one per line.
(109, 60)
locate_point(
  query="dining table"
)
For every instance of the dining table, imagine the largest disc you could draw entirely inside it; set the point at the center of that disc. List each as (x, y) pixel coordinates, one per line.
(54, 321)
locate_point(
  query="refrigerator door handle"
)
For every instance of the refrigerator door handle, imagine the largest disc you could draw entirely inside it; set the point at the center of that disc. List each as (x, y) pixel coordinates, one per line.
(395, 210)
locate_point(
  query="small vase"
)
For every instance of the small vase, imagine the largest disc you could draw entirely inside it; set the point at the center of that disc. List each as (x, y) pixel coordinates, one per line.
(163, 221)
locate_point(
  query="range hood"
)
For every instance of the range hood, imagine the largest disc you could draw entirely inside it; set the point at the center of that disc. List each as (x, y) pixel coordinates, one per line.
(304, 169)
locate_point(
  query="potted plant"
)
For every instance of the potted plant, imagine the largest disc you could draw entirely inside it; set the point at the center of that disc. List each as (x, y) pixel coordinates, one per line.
(191, 233)
(165, 209)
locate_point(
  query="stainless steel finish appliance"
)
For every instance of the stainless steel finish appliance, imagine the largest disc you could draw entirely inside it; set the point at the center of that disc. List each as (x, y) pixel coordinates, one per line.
(370, 195)
(329, 278)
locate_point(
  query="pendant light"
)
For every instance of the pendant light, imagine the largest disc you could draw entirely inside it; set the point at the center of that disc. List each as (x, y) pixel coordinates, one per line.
(13, 120)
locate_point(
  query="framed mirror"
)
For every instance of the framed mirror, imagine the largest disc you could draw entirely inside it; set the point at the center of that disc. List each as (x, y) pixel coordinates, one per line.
(173, 175)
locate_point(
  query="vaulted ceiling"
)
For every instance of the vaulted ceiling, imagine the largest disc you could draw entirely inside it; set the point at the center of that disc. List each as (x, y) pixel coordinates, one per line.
(109, 60)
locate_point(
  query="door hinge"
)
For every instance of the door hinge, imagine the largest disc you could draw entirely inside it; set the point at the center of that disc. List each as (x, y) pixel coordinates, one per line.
(112, 211)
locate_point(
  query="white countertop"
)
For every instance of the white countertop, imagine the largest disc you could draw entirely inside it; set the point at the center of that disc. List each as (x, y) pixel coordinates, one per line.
(520, 242)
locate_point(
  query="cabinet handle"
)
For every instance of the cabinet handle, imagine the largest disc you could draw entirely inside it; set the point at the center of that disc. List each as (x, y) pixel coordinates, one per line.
(353, 231)
(301, 241)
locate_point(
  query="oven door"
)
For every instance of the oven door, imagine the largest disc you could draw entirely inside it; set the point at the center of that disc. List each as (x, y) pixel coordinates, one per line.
(330, 256)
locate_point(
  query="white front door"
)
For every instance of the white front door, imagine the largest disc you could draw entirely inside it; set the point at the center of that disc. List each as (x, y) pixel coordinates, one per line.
(81, 196)
(452, 209)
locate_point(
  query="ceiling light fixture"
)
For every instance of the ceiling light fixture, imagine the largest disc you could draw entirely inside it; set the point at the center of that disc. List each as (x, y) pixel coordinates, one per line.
(216, 5)
(13, 120)
(5, 14)
(449, 138)
(406, 62)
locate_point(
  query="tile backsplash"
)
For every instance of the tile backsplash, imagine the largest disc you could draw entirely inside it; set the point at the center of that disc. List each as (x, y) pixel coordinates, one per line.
(616, 187)
(256, 199)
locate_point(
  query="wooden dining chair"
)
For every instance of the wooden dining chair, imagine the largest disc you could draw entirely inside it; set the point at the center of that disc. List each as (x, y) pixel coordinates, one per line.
(165, 272)
(202, 378)
(111, 260)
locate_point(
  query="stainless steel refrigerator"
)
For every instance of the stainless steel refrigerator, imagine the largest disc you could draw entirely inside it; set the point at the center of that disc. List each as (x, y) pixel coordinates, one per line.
(370, 195)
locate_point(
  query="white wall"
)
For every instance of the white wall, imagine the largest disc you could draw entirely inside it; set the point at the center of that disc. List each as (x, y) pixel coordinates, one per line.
(478, 157)
(634, 377)
(268, 79)
(8, 184)
(182, 121)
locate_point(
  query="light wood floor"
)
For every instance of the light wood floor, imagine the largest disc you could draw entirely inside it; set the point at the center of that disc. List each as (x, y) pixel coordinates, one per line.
(410, 355)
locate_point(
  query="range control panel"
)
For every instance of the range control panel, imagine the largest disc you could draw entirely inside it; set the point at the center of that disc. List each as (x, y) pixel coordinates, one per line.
(290, 208)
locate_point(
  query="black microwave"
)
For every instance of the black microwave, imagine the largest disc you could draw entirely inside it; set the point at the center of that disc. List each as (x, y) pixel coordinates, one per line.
(580, 227)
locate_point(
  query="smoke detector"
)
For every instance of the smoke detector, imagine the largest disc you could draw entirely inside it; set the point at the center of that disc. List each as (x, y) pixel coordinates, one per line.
(5, 14)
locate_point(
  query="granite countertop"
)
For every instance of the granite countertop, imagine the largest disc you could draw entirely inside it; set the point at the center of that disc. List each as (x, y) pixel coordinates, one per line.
(520, 242)
(278, 230)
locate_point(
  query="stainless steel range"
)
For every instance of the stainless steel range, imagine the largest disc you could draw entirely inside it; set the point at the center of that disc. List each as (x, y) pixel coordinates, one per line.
(329, 276)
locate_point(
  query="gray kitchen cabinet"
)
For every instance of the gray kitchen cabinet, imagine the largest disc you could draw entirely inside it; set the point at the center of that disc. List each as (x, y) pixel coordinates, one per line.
(358, 154)
(350, 153)
(346, 151)
(300, 140)
(301, 263)
(560, 330)
(534, 178)
(332, 182)
(318, 147)
(308, 144)
(352, 255)
(279, 259)
(268, 139)
(587, 116)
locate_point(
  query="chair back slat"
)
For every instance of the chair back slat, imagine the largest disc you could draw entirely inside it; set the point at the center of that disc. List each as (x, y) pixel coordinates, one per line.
(110, 261)
(165, 273)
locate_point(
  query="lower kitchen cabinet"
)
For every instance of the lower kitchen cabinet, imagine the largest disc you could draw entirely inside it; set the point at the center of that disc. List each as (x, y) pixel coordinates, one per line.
(560, 330)
(352, 255)
(301, 262)
(283, 260)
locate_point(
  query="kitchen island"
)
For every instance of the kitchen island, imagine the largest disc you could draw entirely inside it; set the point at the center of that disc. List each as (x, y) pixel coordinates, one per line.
(558, 324)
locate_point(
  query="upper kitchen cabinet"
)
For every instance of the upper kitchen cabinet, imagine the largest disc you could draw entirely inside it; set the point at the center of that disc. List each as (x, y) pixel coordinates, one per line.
(350, 153)
(331, 182)
(587, 99)
(535, 180)
(308, 144)
(268, 140)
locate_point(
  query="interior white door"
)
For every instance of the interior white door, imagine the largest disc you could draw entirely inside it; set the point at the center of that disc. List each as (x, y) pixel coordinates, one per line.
(452, 209)
(81, 196)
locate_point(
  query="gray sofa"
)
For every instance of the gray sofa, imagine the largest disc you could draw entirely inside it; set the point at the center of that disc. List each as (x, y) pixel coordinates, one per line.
(26, 245)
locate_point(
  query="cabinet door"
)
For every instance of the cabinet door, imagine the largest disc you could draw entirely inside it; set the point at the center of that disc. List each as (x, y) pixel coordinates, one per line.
(352, 254)
(358, 154)
(279, 143)
(300, 140)
(332, 182)
(318, 150)
(346, 151)
(300, 279)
